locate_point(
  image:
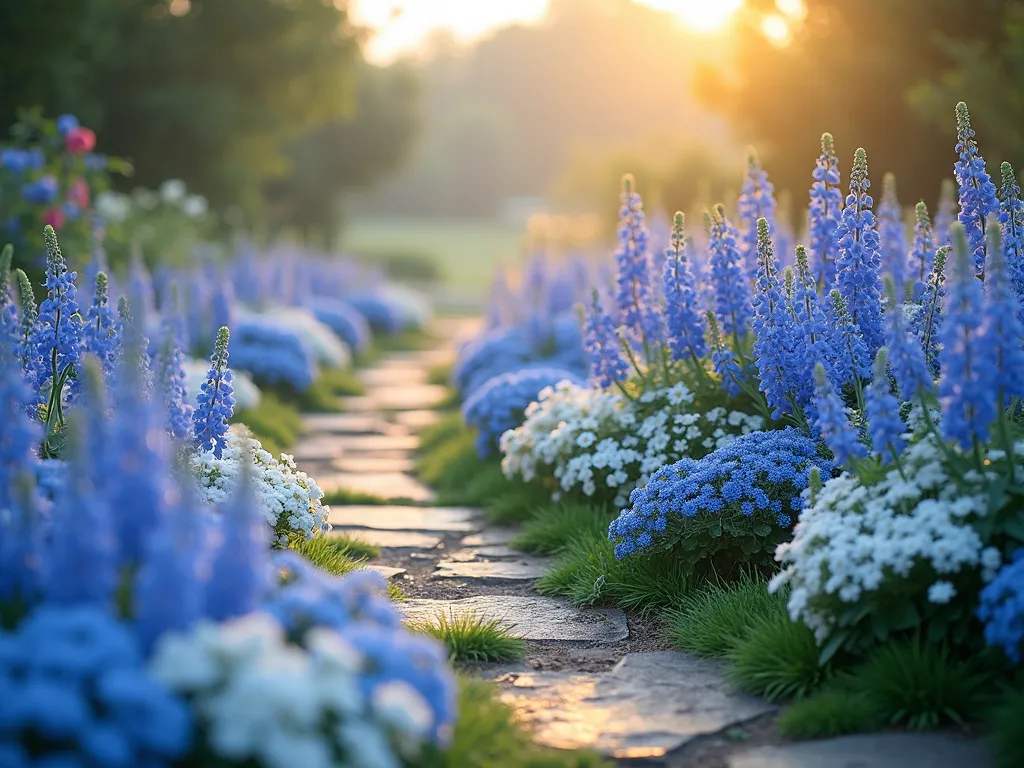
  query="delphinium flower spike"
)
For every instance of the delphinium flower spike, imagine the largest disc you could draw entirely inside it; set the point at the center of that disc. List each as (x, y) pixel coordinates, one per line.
(945, 213)
(928, 320)
(170, 373)
(686, 321)
(859, 259)
(968, 400)
(607, 365)
(1003, 332)
(729, 281)
(8, 309)
(634, 296)
(756, 201)
(892, 234)
(882, 409)
(723, 358)
(1011, 221)
(977, 192)
(836, 431)
(811, 336)
(906, 356)
(101, 327)
(824, 213)
(922, 254)
(848, 354)
(772, 328)
(216, 401)
(29, 316)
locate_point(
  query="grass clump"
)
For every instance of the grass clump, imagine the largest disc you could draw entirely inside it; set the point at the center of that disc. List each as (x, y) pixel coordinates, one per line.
(275, 423)
(450, 466)
(832, 711)
(449, 427)
(512, 501)
(470, 638)
(440, 374)
(552, 526)
(777, 659)
(353, 546)
(1007, 733)
(343, 497)
(413, 340)
(329, 554)
(710, 621)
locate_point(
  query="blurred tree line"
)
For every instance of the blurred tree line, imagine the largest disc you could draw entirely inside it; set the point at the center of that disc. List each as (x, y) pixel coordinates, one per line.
(882, 74)
(235, 97)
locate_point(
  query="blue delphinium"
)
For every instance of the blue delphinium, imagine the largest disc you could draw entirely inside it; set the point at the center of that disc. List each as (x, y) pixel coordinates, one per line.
(882, 409)
(906, 356)
(342, 318)
(100, 333)
(945, 213)
(134, 348)
(773, 329)
(724, 359)
(76, 692)
(1002, 608)
(859, 262)
(141, 291)
(8, 308)
(927, 319)
(634, 296)
(892, 234)
(977, 192)
(28, 318)
(607, 361)
(685, 320)
(833, 424)
(730, 282)
(273, 354)
(1011, 221)
(1002, 332)
(965, 393)
(222, 306)
(756, 201)
(171, 380)
(848, 358)
(216, 403)
(810, 337)
(824, 213)
(498, 405)
(922, 254)
(741, 498)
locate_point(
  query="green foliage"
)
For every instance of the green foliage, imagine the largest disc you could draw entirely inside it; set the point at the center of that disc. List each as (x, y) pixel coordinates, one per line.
(920, 685)
(471, 639)
(326, 553)
(440, 374)
(712, 620)
(513, 501)
(276, 424)
(832, 711)
(449, 427)
(776, 659)
(1007, 735)
(587, 573)
(352, 546)
(553, 525)
(449, 464)
(343, 497)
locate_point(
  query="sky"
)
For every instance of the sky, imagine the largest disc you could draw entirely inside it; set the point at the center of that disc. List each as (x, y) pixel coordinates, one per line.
(402, 26)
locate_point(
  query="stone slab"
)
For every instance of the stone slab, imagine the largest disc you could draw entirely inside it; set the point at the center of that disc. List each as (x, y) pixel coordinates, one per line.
(392, 373)
(417, 420)
(492, 552)
(390, 539)
(490, 537)
(412, 397)
(397, 518)
(649, 704)
(541, 619)
(525, 568)
(361, 462)
(423, 357)
(386, 571)
(362, 443)
(385, 485)
(877, 750)
(343, 423)
(316, 449)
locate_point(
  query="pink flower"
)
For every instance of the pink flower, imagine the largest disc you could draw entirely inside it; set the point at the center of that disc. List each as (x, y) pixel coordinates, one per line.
(80, 140)
(55, 217)
(79, 193)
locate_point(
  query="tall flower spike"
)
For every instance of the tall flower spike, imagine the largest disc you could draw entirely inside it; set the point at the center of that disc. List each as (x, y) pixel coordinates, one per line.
(892, 234)
(101, 327)
(238, 581)
(723, 359)
(134, 346)
(968, 400)
(729, 281)
(824, 214)
(882, 409)
(686, 322)
(8, 310)
(171, 379)
(638, 311)
(906, 356)
(811, 345)
(859, 259)
(836, 432)
(1003, 332)
(23, 349)
(1011, 221)
(772, 328)
(945, 213)
(756, 201)
(216, 400)
(848, 353)
(928, 320)
(977, 192)
(922, 255)
(604, 351)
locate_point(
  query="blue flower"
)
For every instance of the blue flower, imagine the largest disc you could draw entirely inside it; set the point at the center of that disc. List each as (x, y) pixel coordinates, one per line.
(8, 307)
(100, 330)
(882, 410)
(16, 160)
(892, 235)
(134, 352)
(171, 378)
(42, 191)
(906, 356)
(945, 213)
(848, 356)
(977, 192)
(1002, 332)
(684, 318)
(24, 350)
(216, 403)
(607, 359)
(342, 318)
(729, 281)
(811, 335)
(723, 359)
(1011, 221)
(823, 215)
(922, 255)
(773, 329)
(859, 258)
(835, 429)
(1002, 608)
(756, 201)
(273, 354)
(926, 322)
(66, 123)
(634, 295)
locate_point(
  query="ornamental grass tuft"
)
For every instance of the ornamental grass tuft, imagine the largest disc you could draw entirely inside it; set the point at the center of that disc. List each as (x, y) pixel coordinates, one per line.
(473, 639)
(832, 711)
(777, 659)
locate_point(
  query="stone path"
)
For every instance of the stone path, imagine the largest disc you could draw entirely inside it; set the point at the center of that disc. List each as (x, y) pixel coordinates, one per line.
(592, 677)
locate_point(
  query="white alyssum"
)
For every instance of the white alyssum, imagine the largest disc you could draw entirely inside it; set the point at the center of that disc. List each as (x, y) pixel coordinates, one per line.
(263, 699)
(590, 440)
(289, 500)
(856, 539)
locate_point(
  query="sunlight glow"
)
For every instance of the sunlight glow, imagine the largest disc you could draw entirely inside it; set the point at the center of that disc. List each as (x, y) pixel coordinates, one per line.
(700, 15)
(776, 29)
(794, 10)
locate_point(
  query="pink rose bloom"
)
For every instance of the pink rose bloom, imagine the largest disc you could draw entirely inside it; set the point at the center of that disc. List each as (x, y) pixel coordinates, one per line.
(55, 217)
(79, 193)
(80, 140)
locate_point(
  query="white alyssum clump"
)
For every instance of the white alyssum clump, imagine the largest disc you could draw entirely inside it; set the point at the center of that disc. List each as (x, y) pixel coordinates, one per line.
(280, 705)
(290, 500)
(590, 440)
(856, 538)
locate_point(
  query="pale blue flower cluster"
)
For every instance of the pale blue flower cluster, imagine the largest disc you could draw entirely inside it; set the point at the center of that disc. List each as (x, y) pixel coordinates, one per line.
(345, 320)
(1002, 608)
(273, 354)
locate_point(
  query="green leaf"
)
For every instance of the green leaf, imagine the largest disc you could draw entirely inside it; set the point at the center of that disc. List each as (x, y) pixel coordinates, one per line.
(715, 530)
(832, 646)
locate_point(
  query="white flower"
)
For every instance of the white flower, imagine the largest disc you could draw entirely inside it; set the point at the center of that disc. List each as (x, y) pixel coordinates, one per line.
(173, 191)
(113, 207)
(941, 592)
(195, 206)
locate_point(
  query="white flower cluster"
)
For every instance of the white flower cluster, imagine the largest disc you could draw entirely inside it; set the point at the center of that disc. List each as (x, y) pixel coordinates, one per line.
(856, 537)
(290, 500)
(589, 439)
(279, 705)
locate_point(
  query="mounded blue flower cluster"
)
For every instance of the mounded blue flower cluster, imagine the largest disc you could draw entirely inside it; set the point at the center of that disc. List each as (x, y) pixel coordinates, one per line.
(732, 506)
(382, 313)
(498, 405)
(272, 354)
(1002, 608)
(345, 320)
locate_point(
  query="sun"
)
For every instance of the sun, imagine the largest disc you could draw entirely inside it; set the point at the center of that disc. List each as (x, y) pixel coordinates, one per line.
(699, 15)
